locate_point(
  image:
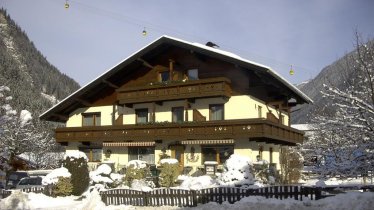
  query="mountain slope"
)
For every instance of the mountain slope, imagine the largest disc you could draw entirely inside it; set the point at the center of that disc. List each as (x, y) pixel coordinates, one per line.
(333, 75)
(35, 84)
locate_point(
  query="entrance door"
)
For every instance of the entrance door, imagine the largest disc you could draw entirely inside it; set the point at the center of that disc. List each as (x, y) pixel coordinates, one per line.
(177, 152)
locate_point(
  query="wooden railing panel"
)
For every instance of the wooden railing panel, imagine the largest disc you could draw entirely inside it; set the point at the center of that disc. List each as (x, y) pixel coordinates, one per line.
(181, 131)
(213, 87)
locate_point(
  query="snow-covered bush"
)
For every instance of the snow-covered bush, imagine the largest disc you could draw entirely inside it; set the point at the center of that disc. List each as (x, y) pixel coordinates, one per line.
(63, 187)
(136, 170)
(77, 166)
(52, 178)
(59, 182)
(169, 172)
(238, 172)
(103, 175)
(142, 185)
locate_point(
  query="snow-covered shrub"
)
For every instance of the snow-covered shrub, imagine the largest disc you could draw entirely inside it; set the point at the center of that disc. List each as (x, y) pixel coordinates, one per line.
(169, 172)
(238, 171)
(77, 166)
(63, 187)
(142, 185)
(262, 172)
(103, 175)
(52, 178)
(58, 182)
(136, 170)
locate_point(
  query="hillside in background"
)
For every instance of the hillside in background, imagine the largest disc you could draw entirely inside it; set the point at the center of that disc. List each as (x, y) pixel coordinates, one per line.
(333, 75)
(35, 84)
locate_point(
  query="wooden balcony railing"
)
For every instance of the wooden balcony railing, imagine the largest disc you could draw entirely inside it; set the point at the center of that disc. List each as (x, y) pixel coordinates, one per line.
(203, 88)
(256, 129)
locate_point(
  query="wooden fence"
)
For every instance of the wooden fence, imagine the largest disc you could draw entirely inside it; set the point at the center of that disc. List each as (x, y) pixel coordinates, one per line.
(179, 197)
(6, 193)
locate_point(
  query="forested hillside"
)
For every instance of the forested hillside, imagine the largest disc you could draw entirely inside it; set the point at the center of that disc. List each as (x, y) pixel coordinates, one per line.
(35, 84)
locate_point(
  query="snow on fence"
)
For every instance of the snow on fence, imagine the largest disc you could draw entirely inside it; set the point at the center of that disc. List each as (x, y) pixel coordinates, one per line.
(179, 197)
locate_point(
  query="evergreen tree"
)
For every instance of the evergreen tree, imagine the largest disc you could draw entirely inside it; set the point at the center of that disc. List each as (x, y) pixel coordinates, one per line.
(79, 173)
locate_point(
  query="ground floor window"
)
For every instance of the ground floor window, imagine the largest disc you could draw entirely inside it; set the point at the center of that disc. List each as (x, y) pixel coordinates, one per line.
(217, 153)
(146, 154)
(93, 154)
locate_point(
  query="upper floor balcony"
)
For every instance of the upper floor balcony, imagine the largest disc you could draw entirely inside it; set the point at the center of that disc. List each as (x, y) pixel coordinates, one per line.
(256, 129)
(176, 90)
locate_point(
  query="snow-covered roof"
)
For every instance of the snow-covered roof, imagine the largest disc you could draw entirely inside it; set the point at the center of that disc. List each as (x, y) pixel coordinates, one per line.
(304, 127)
(54, 115)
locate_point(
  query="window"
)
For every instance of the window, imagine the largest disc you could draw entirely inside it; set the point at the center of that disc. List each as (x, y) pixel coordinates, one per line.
(91, 119)
(141, 115)
(217, 153)
(164, 76)
(146, 154)
(282, 120)
(259, 109)
(216, 112)
(193, 74)
(177, 114)
(93, 154)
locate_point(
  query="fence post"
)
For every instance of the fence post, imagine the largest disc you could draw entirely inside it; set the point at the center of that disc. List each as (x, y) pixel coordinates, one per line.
(104, 198)
(145, 198)
(296, 192)
(194, 198)
(318, 193)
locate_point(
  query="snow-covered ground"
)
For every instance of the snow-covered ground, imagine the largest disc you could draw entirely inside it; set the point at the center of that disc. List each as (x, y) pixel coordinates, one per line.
(349, 201)
(92, 200)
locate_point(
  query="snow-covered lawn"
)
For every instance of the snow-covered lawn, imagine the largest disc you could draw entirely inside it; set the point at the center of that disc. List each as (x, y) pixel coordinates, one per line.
(348, 201)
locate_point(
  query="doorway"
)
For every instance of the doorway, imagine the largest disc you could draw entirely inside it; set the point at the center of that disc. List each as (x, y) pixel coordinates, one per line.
(177, 152)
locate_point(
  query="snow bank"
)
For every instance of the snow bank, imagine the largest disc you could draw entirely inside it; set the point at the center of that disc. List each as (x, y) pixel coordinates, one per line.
(197, 183)
(138, 164)
(75, 154)
(345, 201)
(19, 200)
(52, 177)
(169, 161)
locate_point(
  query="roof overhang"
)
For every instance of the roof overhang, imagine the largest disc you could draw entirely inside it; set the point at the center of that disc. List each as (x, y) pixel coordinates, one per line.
(76, 100)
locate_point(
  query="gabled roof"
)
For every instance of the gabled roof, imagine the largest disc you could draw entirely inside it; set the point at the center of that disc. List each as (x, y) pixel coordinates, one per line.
(95, 87)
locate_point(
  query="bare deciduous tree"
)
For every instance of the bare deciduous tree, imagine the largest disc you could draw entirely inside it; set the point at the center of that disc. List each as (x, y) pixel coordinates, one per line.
(345, 137)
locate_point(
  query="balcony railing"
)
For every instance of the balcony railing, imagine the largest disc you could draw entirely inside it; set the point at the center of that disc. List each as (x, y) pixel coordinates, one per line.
(203, 88)
(255, 129)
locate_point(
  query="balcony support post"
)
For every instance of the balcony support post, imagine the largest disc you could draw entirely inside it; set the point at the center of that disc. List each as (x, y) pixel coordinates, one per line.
(186, 107)
(171, 69)
(153, 114)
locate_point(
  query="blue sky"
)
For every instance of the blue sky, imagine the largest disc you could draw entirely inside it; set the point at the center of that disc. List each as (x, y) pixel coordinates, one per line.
(92, 36)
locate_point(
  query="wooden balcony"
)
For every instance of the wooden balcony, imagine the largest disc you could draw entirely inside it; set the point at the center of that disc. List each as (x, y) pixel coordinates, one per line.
(203, 88)
(253, 129)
